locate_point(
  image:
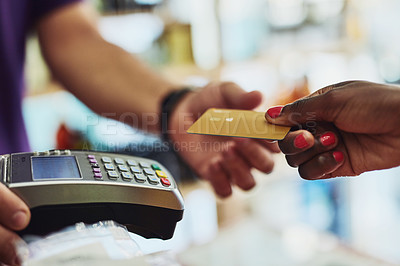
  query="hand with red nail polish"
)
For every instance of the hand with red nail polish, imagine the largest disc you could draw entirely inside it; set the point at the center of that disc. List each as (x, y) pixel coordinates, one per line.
(343, 130)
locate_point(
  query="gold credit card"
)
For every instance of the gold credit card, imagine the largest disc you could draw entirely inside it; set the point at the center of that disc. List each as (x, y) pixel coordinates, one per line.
(237, 123)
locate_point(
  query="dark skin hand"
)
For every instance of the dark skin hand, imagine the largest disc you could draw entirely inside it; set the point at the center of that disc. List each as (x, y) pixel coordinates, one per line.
(346, 129)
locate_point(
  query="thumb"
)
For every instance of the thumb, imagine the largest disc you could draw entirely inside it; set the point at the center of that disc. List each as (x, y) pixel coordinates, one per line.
(14, 214)
(237, 98)
(319, 106)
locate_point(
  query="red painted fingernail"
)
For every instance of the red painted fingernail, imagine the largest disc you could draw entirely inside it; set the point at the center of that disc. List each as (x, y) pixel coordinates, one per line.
(274, 112)
(338, 155)
(328, 139)
(300, 142)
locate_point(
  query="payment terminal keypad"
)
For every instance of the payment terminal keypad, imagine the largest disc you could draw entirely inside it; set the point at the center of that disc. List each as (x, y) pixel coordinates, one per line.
(118, 169)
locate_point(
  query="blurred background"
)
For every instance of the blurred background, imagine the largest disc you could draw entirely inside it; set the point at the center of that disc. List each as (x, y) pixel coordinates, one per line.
(284, 48)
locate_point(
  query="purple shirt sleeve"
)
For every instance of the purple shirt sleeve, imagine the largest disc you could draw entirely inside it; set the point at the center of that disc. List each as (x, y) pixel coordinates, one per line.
(17, 18)
(41, 8)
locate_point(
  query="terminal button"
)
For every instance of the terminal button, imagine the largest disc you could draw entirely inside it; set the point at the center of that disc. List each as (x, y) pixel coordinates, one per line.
(161, 174)
(149, 172)
(118, 161)
(155, 167)
(126, 176)
(165, 182)
(96, 170)
(112, 175)
(140, 178)
(144, 165)
(123, 168)
(109, 166)
(55, 152)
(92, 161)
(132, 163)
(152, 180)
(136, 170)
(106, 159)
(98, 176)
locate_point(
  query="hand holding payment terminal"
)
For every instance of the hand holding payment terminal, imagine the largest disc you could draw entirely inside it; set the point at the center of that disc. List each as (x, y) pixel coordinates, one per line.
(63, 187)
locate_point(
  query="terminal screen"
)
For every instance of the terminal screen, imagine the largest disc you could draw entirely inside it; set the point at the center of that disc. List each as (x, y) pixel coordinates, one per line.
(55, 167)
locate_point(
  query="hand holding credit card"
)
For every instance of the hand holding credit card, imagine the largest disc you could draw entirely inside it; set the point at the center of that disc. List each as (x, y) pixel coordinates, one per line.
(237, 123)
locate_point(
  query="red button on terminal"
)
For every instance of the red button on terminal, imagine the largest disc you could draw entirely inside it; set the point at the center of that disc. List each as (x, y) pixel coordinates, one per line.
(165, 182)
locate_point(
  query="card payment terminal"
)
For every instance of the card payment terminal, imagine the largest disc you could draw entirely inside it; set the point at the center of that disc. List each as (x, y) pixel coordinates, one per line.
(63, 187)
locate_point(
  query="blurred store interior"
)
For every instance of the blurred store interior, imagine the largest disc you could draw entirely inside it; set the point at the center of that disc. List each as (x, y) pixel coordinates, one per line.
(283, 48)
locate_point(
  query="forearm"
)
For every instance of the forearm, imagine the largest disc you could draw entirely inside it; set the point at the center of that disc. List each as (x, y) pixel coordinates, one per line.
(105, 77)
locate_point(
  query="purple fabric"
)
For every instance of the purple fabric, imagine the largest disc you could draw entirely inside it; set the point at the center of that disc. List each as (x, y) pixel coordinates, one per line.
(17, 17)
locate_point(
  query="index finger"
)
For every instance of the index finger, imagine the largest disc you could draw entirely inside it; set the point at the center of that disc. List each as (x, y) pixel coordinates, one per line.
(322, 105)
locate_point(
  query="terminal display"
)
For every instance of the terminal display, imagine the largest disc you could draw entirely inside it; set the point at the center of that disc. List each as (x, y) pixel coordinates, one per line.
(55, 167)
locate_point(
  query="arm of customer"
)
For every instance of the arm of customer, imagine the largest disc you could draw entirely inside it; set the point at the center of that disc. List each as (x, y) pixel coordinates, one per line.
(346, 129)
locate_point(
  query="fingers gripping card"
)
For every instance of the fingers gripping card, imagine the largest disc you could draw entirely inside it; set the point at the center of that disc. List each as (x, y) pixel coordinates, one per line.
(237, 123)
